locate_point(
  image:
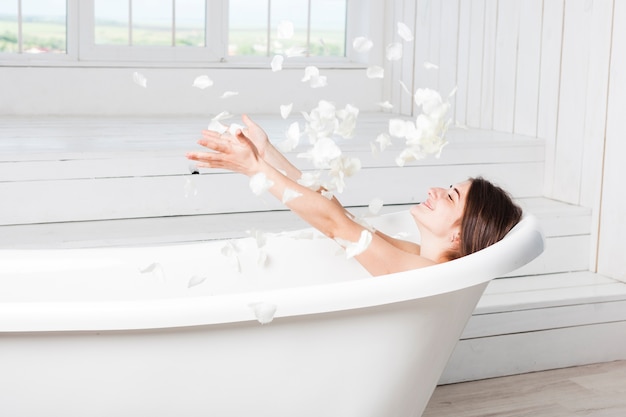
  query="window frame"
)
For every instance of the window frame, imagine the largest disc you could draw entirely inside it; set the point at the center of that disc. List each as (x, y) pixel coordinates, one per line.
(82, 51)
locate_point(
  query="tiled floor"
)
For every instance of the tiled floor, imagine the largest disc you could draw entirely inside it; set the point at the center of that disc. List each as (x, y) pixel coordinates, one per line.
(594, 390)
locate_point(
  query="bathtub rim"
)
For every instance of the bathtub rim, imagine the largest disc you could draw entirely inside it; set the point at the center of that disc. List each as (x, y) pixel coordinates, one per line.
(524, 243)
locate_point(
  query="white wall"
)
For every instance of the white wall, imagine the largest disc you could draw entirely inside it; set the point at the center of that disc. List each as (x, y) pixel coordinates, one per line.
(538, 68)
(111, 91)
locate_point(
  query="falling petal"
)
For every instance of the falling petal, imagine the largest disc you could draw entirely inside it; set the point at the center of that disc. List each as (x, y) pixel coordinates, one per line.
(259, 183)
(202, 82)
(322, 153)
(309, 72)
(375, 206)
(405, 88)
(310, 180)
(405, 33)
(259, 237)
(230, 251)
(228, 94)
(293, 138)
(430, 65)
(375, 72)
(386, 105)
(234, 128)
(373, 148)
(277, 63)
(398, 128)
(216, 126)
(190, 187)
(289, 195)
(383, 140)
(355, 248)
(295, 51)
(285, 110)
(327, 194)
(319, 81)
(140, 79)
(195, 280)
(222, 116)
(262, 258)
(285, 29)
(156, 269)
(264, 312)
(453, 92)
(394, 51)
(362, 44)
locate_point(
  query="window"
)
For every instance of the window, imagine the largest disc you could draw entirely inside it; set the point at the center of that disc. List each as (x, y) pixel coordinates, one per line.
(174, 31)
(33, 26)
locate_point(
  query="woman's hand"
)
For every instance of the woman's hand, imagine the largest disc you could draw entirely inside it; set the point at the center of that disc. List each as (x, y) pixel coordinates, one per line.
(235, 153)
(257, 135)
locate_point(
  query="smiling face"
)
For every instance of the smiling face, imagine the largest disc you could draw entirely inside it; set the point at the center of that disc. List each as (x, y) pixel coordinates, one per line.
(440, 215)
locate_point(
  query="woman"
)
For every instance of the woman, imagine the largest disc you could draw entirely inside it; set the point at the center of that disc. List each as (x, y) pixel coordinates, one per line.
(453, 222)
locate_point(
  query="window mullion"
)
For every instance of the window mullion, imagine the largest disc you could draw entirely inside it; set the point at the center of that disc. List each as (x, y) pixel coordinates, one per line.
(174, 23)
(20, 48)
(130, 22)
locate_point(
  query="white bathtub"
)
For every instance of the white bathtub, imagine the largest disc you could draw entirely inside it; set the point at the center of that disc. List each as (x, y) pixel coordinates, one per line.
(119, 331)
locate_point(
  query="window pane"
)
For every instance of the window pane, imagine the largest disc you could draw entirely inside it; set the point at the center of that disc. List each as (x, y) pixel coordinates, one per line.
(152, 22)
(190, 22)
(43, 26)
(248, 27)
(328, 28)
(289, 11)
(111, 22)
(8, 26)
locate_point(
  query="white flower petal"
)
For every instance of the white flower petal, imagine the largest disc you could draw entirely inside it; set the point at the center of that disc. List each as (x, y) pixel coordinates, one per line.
(386, 105)
(319, 81)
(404, 87)
(295, 51)
(404, 32)
(285, 110)
(285, 29)
(234, 127)
(394, 51)
(362, 44)
(375, 72)
(430, 65)
(383, 140)
(375, 206)
(277, 63)
(327, 194)
(398, 128)
(228, 94)
(202, 82)
(289, 195)
(156, 269)
(453, 92)
(140, 79)
(355, 248)
(322, 153)
(262, 259)
(309, 72)
(190, 187)
(310, 180)
(222, 116)
(264, 312)
(216, 126)
(259, 183)
(195, 280)
(258, 236)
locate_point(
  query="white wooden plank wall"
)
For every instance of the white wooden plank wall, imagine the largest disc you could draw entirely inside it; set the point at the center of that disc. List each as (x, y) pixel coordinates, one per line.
(531, 67)
(613, 216)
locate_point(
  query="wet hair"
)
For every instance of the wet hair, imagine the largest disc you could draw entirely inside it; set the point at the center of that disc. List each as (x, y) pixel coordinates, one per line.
(489, 215)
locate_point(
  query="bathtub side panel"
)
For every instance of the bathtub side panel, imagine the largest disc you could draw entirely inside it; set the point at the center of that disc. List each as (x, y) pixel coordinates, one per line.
(379, 362)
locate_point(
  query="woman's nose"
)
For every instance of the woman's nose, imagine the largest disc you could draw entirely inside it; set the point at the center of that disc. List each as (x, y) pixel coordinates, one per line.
(435, 192)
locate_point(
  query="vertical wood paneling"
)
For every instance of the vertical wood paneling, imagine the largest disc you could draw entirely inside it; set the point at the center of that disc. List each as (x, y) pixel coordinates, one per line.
(611, 260)
(528, 67)
(549, 84)
(595, 105)
(424, 28)
(475, 63)
(506, 65)
(573, 95)
(463, 62)
(448, 36)
(489, 61)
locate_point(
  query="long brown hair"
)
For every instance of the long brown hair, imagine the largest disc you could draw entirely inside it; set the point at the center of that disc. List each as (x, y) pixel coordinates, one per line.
(489, 215)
